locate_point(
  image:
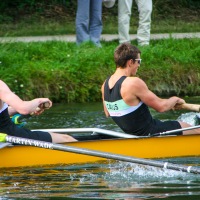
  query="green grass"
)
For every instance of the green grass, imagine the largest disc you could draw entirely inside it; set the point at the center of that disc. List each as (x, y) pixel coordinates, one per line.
(47, 27)
(58, 19)
(65, 72)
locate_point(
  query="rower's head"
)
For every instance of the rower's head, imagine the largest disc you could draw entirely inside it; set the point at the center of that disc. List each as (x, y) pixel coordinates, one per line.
(126, 52)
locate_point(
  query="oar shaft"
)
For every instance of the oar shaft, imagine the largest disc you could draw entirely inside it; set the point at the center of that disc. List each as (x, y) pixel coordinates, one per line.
(142, 161)
(107, 155)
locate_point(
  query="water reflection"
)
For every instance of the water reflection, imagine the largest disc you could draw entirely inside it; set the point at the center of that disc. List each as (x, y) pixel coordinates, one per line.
(98, 181)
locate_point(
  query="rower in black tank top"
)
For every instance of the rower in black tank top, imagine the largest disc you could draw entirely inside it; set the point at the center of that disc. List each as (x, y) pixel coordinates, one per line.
(136, 120)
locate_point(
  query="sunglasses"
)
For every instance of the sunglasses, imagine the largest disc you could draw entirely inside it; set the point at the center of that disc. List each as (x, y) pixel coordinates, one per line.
(139, 61)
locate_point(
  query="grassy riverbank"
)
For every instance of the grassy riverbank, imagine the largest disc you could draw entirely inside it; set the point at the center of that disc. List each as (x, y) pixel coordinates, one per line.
(67, 73)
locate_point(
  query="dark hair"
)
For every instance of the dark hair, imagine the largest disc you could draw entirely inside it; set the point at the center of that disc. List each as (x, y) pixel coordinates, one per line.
(125, 52)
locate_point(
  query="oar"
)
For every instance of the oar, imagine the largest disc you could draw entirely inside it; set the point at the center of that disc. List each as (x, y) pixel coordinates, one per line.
(59, 147)
(187, 106)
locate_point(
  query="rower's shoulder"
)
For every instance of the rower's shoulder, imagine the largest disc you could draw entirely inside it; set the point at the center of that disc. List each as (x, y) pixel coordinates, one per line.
(134, 80)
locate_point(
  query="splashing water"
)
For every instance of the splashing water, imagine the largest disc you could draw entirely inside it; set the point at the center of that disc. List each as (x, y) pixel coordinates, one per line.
(191, 118)
(132, 172)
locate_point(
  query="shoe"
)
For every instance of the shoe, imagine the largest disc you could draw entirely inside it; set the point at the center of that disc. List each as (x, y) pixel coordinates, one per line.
(108, 3)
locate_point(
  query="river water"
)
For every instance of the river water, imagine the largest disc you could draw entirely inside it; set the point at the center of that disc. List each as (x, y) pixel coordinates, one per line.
(103, 180)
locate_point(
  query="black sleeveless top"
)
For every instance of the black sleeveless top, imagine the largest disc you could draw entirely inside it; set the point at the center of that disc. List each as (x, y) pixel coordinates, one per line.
(137, 122)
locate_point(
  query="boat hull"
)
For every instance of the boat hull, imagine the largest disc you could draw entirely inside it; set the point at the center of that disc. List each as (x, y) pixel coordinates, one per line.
(152, 148)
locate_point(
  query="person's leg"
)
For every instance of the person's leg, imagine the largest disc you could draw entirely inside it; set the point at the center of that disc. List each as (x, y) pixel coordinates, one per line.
(144, 27)
(189, 132)
(61, 138)
(82, 21)
(124, 14)
(95, 28)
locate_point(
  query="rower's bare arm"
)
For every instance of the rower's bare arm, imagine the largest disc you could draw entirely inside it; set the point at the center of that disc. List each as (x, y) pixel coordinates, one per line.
(20, 106)
(7, 96)
(152, 100)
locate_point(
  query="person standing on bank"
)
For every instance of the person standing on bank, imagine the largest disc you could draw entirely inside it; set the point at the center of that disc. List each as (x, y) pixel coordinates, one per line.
(89, 21)
(144, 24)
(17, 105)
(126, 98)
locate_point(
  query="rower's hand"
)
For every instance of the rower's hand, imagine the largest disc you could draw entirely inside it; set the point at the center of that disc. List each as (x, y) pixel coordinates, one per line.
(179, 104)
(43, 106)
(177, 107)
